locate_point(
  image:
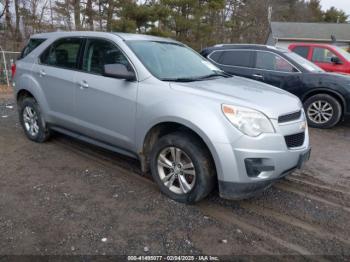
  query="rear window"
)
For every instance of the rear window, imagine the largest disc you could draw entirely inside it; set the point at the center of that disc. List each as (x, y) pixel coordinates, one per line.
(32, 44)
(302, 51)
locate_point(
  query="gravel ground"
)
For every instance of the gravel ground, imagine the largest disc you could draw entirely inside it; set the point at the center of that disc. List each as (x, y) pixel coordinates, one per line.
(65, 197)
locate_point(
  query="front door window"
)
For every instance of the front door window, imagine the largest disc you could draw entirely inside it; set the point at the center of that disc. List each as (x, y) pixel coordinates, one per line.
(99, 53)
(322, 55)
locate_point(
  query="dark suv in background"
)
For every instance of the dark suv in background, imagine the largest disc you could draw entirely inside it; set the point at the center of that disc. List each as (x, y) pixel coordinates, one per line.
(326, 96)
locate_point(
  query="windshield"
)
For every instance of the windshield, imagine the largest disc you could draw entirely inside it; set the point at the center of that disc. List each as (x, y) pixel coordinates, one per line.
(306, 64)
(173, 62)
(345, 54)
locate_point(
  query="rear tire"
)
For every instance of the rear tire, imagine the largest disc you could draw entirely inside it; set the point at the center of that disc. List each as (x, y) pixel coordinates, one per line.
(323, 111)
(182, 167)
(32, 121)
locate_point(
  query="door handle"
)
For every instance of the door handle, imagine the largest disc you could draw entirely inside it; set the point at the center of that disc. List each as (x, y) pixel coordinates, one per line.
(83, 84)
(257, 76)
(42, 73)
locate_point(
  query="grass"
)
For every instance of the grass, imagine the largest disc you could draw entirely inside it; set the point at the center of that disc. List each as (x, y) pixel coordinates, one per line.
(5, 91)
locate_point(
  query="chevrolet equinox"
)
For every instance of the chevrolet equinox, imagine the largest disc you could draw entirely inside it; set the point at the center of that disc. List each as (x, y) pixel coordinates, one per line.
(189, 123)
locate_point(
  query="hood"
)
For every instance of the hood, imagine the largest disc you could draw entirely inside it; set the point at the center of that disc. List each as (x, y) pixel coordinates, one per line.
(270, 100)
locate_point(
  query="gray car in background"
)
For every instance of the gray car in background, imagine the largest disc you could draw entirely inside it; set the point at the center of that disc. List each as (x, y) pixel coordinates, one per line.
(189, 123)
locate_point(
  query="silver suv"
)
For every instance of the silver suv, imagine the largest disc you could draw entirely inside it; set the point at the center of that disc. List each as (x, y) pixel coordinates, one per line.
(192, 125)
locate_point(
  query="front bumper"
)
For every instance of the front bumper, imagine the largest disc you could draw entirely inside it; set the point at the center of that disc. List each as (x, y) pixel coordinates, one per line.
(276, 160)
(237, 191)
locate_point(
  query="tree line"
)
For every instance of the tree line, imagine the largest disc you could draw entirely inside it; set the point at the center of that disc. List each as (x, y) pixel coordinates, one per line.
(198, 23)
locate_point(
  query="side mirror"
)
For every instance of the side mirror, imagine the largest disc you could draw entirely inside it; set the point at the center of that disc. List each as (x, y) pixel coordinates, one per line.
(336, 60)
(119, 71)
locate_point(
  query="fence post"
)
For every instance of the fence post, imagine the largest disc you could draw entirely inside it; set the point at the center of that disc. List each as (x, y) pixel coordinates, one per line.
(5, 67)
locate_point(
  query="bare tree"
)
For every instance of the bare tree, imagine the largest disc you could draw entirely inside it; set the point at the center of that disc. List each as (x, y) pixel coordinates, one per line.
(76, 8)
(2, 13)
(18, 35)
(110, 10)
(89, 13)
(62, 10)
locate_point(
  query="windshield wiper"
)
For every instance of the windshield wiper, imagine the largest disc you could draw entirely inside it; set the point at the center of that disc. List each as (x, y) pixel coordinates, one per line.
(200, 78)
(223, 74)
(190, 79)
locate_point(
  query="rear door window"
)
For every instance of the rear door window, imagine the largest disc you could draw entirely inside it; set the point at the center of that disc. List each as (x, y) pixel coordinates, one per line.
(63, 53)
(32, 44)
(240, 58)
(302, 51)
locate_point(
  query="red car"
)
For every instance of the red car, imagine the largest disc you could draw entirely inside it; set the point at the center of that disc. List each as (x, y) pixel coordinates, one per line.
(329, 57)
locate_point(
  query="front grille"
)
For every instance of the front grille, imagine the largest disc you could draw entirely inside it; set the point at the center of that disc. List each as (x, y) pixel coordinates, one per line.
(295, 140)
(289, 117)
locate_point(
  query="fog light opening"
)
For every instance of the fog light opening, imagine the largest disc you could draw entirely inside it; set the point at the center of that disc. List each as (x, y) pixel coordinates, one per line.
(256, 166)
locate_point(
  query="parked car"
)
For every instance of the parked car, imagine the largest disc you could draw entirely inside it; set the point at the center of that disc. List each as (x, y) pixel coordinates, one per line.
(329, 57)
(159, 101)
(326, 96)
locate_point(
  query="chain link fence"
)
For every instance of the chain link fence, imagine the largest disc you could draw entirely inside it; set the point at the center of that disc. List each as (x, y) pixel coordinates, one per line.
(7, 61)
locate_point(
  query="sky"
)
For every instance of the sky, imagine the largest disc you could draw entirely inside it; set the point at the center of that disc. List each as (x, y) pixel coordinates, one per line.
(339, 4)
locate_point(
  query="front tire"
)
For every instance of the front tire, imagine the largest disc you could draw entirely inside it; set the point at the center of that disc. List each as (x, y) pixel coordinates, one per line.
(182, 167)
(32, 121)
(322, 111)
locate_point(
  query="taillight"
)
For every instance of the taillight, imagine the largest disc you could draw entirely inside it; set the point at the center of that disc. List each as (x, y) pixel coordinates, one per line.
(13, 70)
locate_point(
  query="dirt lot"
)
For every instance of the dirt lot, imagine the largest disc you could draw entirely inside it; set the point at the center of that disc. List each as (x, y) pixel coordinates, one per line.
(66, 197)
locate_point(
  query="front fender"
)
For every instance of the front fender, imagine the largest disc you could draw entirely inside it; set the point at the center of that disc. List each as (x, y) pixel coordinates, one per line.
(206, 121)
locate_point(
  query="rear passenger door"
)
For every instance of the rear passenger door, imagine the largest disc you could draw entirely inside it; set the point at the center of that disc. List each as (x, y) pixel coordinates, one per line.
(55, 72)
(237, 62)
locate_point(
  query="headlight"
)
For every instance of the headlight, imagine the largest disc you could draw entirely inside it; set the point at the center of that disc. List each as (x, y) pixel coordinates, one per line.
(249, 121)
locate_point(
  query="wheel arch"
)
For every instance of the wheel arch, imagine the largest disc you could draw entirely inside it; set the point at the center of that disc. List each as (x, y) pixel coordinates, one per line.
(166, 127)
(23, 93)
(328, 91)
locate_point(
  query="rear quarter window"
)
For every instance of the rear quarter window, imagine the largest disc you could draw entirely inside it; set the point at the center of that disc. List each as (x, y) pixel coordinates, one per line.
(31, 45)
(215, 56)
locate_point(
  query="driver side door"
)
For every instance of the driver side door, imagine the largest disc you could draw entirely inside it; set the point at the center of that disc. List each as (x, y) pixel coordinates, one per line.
(322, 57)
(105, 106)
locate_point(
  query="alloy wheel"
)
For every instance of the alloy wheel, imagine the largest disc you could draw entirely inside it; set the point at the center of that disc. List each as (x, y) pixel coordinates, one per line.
(30, 120)
(176, 170)
(320, 112)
